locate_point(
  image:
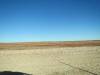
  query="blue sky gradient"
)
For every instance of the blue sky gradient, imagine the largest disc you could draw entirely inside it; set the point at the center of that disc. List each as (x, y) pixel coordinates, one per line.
(49, 20)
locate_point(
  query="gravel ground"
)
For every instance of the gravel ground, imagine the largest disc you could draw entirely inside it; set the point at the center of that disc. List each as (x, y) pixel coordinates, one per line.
(52, 61)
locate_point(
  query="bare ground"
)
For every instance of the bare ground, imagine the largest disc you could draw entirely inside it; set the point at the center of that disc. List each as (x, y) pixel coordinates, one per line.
(84, 60)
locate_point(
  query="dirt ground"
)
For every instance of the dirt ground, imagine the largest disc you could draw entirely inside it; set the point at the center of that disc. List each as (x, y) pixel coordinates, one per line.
(52, 61)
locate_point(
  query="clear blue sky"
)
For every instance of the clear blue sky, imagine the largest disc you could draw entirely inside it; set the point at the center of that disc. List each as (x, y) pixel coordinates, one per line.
(49, 20)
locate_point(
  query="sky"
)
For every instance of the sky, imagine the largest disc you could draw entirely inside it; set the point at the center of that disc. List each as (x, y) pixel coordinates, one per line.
(49, 20)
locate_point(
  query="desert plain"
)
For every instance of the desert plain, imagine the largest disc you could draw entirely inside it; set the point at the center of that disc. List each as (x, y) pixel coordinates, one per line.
(51, 58)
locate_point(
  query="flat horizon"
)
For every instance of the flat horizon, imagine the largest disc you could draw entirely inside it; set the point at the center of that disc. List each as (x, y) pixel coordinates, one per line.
(50, 41)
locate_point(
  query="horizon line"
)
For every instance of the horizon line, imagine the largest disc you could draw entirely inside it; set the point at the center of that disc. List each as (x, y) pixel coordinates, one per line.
(50, 41)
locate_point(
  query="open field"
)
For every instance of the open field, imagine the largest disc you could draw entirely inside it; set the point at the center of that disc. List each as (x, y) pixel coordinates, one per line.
(30, 45)
(78, 58)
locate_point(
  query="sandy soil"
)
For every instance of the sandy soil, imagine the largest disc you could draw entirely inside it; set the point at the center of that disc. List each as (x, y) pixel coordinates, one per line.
(52, 61)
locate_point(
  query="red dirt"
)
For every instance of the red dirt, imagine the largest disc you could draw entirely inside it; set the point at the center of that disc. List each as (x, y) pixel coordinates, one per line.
(58, 44)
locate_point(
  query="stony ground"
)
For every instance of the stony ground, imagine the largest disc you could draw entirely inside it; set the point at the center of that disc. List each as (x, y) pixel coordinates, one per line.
(52, 61)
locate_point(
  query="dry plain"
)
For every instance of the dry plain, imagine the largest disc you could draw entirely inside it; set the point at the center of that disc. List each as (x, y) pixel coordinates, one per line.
(55, 59)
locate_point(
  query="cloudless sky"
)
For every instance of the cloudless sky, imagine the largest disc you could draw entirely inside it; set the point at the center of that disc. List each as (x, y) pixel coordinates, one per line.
(49, 20)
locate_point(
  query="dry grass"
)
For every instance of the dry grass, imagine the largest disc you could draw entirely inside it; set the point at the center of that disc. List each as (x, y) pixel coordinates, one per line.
(29, 45)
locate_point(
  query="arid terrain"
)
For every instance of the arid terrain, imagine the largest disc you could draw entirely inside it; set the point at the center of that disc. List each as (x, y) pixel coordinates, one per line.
(51, 58)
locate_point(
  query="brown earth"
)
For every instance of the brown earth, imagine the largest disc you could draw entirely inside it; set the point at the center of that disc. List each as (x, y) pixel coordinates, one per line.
(21, 45)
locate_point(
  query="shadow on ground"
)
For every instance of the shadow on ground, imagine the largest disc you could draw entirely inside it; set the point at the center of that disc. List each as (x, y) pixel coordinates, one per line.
(13, 73)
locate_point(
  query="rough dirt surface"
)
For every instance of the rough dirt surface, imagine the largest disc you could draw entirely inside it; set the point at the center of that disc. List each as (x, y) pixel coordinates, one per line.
(78, 60)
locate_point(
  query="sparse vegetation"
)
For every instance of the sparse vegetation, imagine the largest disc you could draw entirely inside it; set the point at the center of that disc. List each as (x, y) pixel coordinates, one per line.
(51, 60)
